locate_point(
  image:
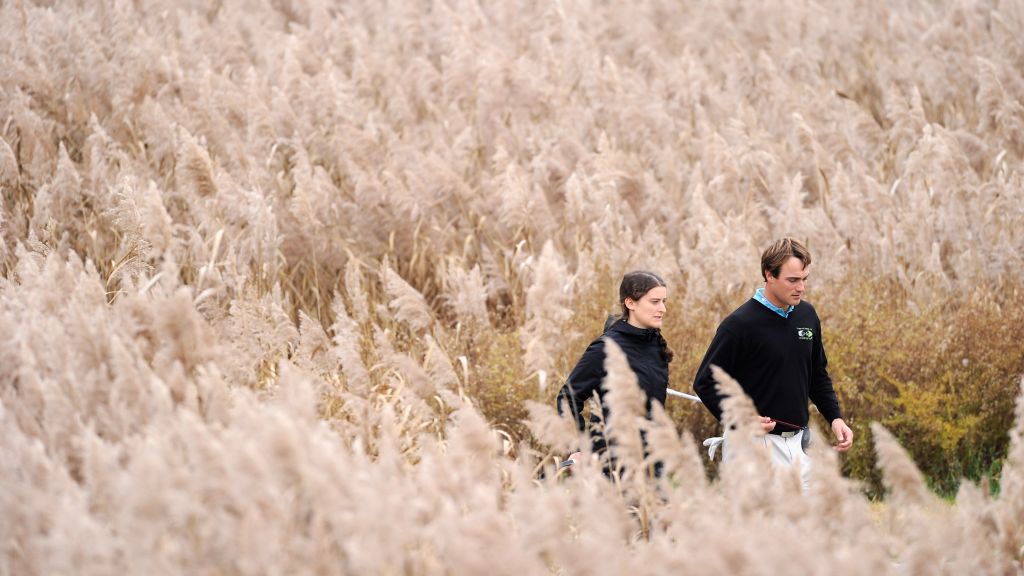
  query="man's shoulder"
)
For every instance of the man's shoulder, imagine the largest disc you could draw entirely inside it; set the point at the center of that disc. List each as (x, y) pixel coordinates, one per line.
(740, 318)
(745, 313)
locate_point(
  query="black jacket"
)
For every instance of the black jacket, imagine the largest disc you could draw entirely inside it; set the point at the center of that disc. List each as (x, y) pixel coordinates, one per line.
(644, 352)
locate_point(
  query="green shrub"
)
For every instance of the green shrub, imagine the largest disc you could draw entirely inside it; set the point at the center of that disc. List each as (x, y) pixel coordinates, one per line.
(943, 379)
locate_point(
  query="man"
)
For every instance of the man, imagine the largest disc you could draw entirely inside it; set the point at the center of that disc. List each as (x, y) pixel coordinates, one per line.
(772, 346)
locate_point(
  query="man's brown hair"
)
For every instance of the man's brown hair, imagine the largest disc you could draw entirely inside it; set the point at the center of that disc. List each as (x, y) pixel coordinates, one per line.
(779, 252)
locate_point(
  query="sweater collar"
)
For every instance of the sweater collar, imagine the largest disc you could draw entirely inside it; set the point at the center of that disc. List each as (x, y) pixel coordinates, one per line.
(760, 297)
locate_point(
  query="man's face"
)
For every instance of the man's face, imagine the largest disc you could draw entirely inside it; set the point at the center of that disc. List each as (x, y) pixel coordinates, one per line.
(788, 288)
(649, 310)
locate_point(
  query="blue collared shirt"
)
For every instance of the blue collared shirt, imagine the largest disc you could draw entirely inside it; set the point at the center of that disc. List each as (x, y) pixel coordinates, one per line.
(760, 297)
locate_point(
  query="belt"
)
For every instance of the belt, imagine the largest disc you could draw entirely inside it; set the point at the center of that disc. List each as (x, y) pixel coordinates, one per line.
(785, 432)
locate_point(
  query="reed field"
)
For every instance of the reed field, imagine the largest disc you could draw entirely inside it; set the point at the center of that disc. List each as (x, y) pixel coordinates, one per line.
(290, 287)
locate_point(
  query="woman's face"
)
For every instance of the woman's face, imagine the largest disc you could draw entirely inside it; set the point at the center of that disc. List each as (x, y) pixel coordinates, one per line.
(649, 310)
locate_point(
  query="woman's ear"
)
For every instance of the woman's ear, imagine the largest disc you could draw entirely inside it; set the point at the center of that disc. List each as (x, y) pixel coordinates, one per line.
(630, 303)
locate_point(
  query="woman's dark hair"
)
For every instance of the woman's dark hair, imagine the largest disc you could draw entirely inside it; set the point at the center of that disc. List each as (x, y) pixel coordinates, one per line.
(633, 286)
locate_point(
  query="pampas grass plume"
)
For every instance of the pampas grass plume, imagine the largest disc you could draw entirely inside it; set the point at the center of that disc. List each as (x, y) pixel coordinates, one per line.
(546, 310)
(625, 401)
(406, 302)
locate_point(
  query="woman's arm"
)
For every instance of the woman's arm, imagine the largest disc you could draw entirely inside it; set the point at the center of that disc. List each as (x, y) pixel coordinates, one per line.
(584, 380)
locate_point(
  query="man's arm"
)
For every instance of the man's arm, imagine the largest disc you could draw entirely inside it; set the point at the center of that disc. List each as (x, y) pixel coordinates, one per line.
(820, 390)
(823, 395)
(722, 353)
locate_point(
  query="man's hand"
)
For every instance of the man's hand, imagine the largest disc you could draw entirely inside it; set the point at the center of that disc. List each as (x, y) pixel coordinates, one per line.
(767, 424)
(843, 434)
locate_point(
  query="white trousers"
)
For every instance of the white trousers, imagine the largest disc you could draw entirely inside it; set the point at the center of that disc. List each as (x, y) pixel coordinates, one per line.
(786, 451)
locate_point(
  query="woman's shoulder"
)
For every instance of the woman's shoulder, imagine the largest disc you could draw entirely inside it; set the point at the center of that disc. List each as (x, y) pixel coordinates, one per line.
(618, 329)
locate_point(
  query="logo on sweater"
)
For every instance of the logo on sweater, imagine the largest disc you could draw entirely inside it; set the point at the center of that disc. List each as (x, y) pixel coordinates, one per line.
(805, 333)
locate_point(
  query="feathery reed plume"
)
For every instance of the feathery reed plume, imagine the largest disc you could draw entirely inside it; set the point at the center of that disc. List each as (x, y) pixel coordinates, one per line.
(407, 376)
(312, 352)
(902, 478)
(58, 202)
(183, 335)
(355, 292)
(1011, 496)
(260, 330)
(472, 445)
(4, 250)
(973, 526)
(625, 401)
(440, 368)
(739, 415)
(345, 347)
(139, 212)
(551, 429)
(999, 112)
(545, 311)
(406, 302)
(913, 509)
(744, 464)
(193, 169)
(834, 496)
(466, 294)
(9, 175)
(9, 183)
(679, 455)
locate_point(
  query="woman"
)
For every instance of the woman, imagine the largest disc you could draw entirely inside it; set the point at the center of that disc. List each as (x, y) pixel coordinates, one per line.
(638, 333)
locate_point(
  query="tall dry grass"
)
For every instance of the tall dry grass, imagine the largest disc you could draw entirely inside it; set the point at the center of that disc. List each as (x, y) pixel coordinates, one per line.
(288, 287)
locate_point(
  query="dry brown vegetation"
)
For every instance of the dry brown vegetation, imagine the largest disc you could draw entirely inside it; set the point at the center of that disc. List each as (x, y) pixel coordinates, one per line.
(289, 287)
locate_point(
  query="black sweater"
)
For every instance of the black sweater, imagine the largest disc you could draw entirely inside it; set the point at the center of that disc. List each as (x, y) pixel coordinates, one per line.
(643, 351)
(779, 362)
